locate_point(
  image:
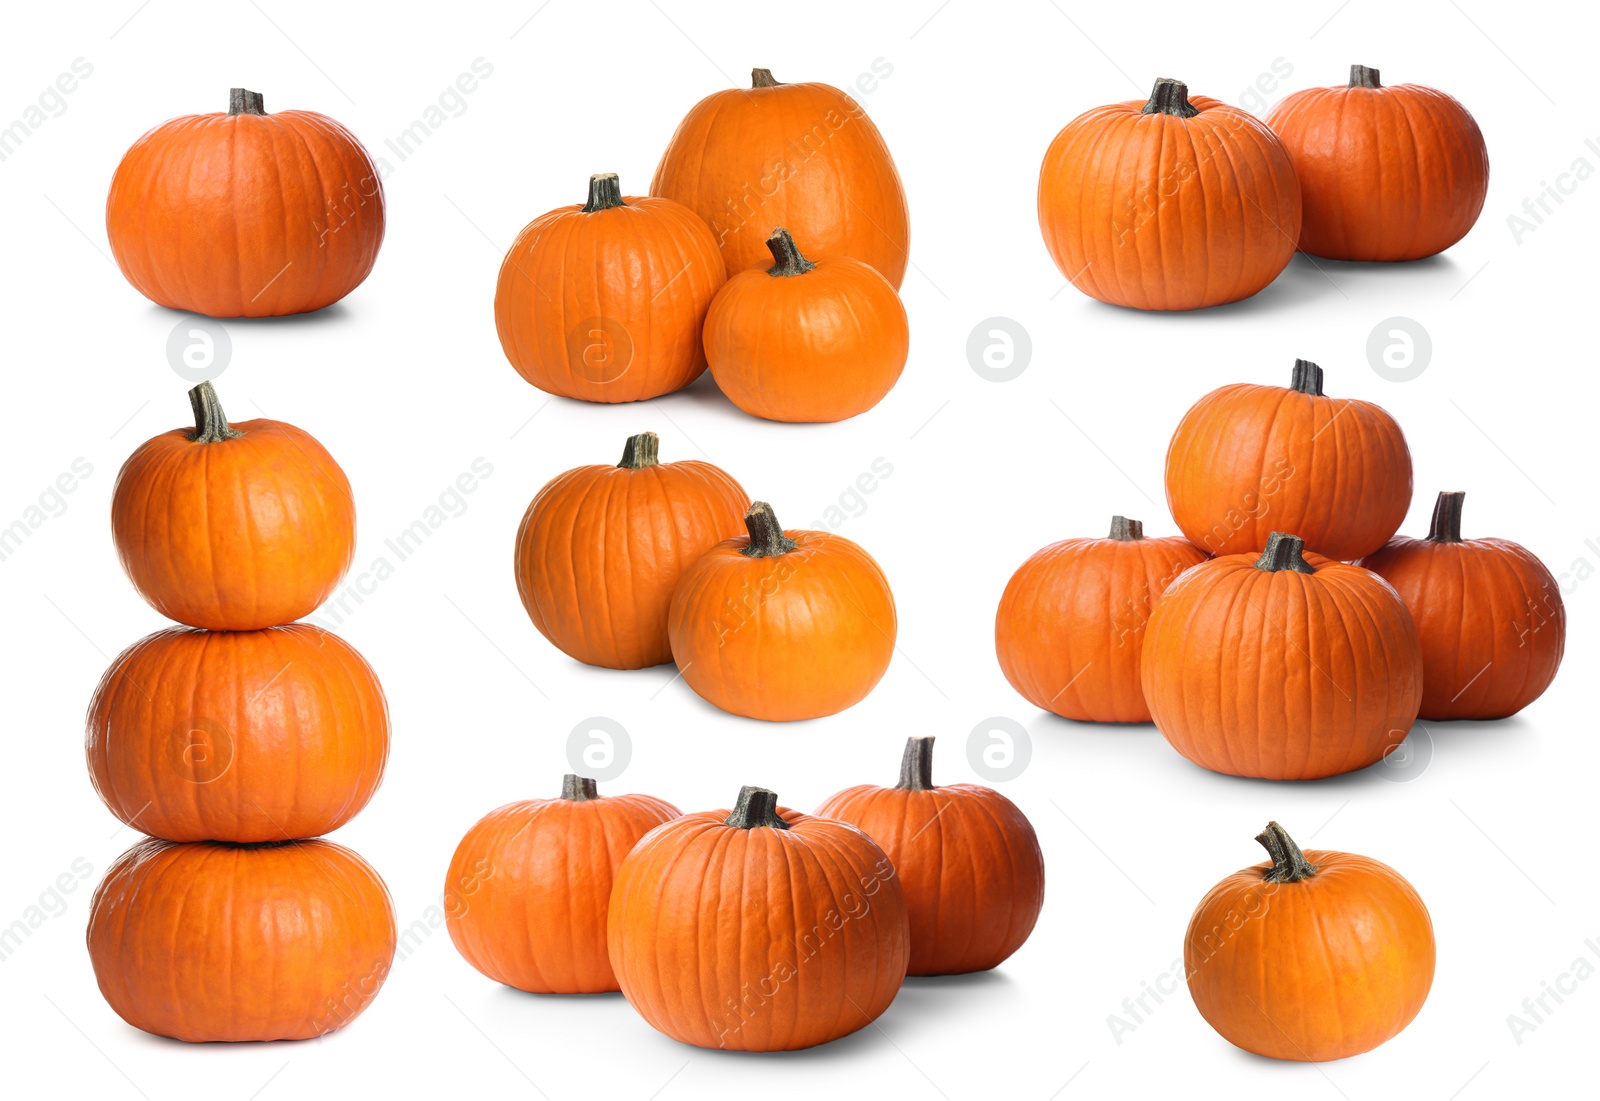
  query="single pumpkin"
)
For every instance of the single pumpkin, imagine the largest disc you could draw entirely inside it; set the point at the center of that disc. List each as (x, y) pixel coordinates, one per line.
(1284, 667)
(782, 625)
(1489, 614)
(528, 887)
(240, 736)
(804, 156)
(1393, 173)
(246, 214)
(1070, 626)
(967, 858)
(605, 301)
(806, 341)
(1168, 204)
(1311, 956)
(755, 930)
(1249, 460)
(601, 548)
(208, 941)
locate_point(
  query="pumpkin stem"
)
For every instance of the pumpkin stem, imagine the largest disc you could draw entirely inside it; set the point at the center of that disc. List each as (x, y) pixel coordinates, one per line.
(1446, 526)
(605, 192)
(766, 534)
(210, 424)
(244, 102)
(1125, 530)
(1363, 77)
(756, 807)
(1306, 378)
(916, 765)
(1170, 97)
(1283, 553)
(763, 78)
(1289, 864)
(641, 451)
(787, 255)
(579, 789)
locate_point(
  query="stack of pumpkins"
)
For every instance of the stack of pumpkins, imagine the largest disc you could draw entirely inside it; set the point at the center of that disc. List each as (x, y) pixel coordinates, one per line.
(232, 740)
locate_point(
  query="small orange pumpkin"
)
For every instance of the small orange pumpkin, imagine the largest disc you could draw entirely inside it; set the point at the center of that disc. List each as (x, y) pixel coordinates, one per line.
(804, 341)
(1070, 626)
(1489, 613)
(782, 625)
(605, 301)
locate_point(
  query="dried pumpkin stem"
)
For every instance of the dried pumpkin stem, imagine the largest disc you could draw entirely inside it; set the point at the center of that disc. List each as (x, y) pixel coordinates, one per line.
(1306, 378)
(1289, 864)
(641, 451)
(605, 192)
(1446, 526)
(1125, 530)
(579, 789)
(1170, 97)
(763, 78)
(1363, 77)
(766, 534)
(242, 101)
(756, 807)
(210, 424)
(787, 255)
(916, 765)
(1283, 552)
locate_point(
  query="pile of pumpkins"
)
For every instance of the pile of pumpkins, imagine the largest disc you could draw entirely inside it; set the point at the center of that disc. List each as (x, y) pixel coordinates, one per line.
(234, 742)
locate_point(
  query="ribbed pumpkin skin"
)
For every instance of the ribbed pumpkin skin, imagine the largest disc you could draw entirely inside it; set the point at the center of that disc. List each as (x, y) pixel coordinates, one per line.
(1159, 212)
(1385, 173)
(601, 548)
(608, 306)
(1070, 627)
(1334, 965)
(1249, 460)
(235, 535)
(802, 156)
(1281, 675)
(246, 215)
(238, 735)
(205, 942)
(1491, 620)
(759, 939)
(530, 884)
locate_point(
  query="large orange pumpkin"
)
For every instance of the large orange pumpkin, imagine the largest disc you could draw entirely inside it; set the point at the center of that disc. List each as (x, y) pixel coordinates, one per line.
(1249, 460)
(805, 156)
(806, 341)
(233, 527)
(604, 301)
(246, 214)
(967, 857)
(782, 625)
(1385, 173)
(757, 930)
(1489, 613)
(207, 941)
(1168, 204)
(238, 735)
(601, 548)
(1071, 621)
(1282, 667)
(1312, 956)
(528, 887)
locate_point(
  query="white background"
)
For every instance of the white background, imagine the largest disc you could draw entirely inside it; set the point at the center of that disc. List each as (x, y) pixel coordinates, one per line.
(405, 384)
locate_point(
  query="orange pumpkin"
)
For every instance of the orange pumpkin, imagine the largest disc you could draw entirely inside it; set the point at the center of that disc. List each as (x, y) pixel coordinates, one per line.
(782, 625)
(757, 930)
(605, 301)
(804, 341)
(233, 527)
(1489, 614)
(967, 858)
(246, 214)
(207, 941)
(528, 886)
(601, 548)
(238, 735)
(1071, 621)
(1249, 460)
(1385, 173)
(1168, 204)
(804, 156)
(1282, 667)
(1312, 956)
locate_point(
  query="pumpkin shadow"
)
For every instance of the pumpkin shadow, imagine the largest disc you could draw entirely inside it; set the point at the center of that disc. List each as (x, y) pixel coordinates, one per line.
(333, 314)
